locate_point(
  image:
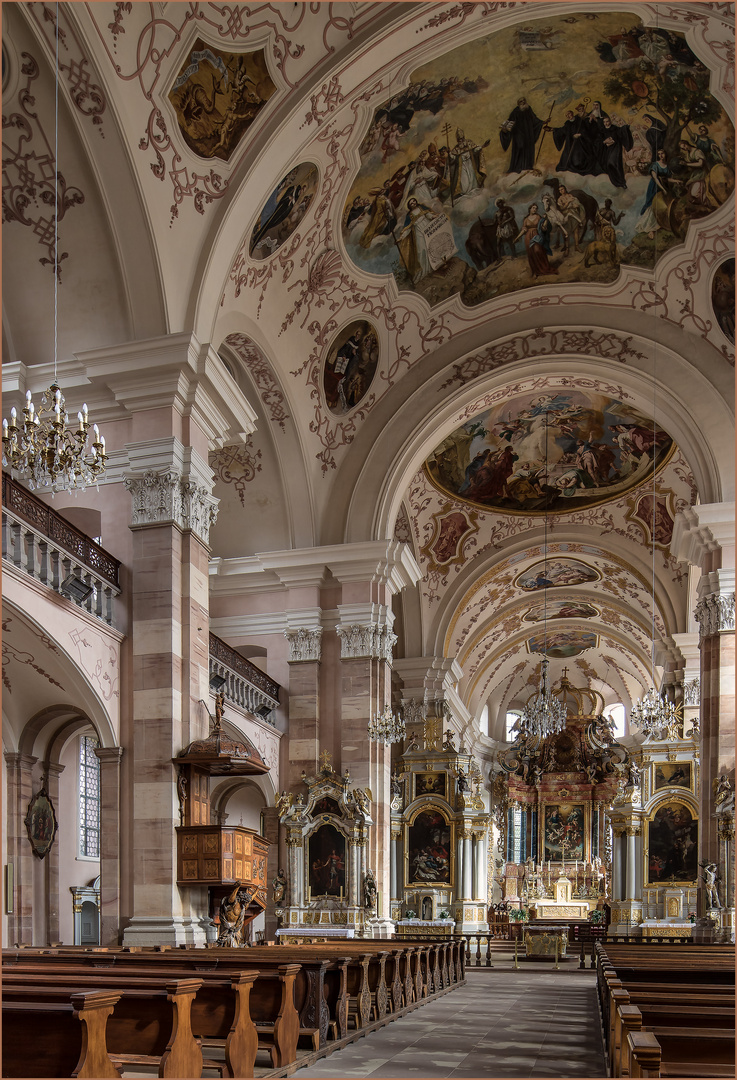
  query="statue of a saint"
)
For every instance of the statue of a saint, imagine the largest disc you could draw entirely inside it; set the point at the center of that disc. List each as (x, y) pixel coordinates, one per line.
(369, 891)
(279, 885)
(710, 881)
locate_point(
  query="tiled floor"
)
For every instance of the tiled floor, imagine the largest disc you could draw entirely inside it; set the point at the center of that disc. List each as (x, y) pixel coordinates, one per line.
(534, 1022)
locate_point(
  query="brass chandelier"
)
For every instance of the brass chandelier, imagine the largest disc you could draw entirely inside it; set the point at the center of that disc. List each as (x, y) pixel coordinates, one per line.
(42, 449)
(386, 727)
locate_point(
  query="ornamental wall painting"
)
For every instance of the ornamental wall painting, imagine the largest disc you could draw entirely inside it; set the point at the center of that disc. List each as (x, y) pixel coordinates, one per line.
(563, 833)
(428, 846)
(327, 862)
(284, 210)
(535, 155)
(560, 609)
(451, 530)
(553, 573)
(722, 298)
(217, 95)
(655, 515)
(558, 451)
(350, 366)
(672, 844)
(562, 644)
(672, 774)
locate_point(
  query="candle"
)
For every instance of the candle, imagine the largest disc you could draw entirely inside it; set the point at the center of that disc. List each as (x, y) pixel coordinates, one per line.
(548, 865)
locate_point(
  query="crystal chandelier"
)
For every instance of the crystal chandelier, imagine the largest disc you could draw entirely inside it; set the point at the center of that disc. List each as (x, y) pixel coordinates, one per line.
(41, 449)
(386, 727)
(47, 453)
(654, 714)
(544, 714)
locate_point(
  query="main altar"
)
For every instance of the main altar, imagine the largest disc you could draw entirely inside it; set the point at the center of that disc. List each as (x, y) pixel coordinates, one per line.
(563, 906)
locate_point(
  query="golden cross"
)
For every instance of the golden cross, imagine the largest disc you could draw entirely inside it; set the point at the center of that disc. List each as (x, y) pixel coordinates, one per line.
(325, 762)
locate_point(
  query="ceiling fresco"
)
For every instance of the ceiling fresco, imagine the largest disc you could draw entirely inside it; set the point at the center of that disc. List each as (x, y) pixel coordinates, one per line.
(560, 609)
(549, 452)
(216, 97)
(283, 211)
(594, 145)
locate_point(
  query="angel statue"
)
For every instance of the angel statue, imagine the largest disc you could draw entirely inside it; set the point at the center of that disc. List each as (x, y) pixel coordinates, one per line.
(232, 914)
(284, 803)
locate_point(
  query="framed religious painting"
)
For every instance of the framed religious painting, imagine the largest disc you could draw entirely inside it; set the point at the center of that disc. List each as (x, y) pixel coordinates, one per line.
(429, 849)
(672, 845)
(430, 783)
(41, 823)
(564, 831)
(327, 861)
(672, 774)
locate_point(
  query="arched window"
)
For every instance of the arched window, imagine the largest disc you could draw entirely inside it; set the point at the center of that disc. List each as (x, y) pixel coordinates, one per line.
(89, 798)
(511, 728)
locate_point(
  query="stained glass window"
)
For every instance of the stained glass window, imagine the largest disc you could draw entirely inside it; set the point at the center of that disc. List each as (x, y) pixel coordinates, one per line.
(89, 797)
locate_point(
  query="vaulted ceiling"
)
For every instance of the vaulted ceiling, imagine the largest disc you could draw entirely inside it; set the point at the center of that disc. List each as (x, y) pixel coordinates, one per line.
(419, 371)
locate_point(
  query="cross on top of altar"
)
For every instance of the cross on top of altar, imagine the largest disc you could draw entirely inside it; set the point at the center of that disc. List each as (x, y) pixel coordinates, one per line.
(325, 762)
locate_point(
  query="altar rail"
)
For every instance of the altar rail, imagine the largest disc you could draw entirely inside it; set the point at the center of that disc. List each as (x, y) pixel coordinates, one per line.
(43, 544)
(479, 948)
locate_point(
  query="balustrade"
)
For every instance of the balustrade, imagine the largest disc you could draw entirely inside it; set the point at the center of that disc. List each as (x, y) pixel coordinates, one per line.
(245, 684)
(41, 543)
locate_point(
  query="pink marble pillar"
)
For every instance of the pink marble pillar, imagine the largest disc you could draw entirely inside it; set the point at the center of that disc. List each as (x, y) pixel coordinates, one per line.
(110, 757)
(51, 862)
(20, 853)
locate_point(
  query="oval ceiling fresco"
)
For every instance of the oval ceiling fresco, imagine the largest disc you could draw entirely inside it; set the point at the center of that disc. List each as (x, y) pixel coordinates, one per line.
(350, 366)
(536, 453)
(283, 210)
(595, 144)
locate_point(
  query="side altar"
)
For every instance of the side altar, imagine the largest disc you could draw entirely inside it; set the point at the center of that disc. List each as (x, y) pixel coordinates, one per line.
(327, 887)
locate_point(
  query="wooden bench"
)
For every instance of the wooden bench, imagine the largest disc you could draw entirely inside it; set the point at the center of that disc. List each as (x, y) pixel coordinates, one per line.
(631, 1016)
(272, 1008)
(224, 1012)
(67, 1038)
(150, 1025)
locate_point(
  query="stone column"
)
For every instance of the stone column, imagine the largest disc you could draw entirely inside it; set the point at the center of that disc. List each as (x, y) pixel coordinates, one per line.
(305, 644)
(172, 514)
(110, 758)
(705, 537)
(296, 870)
(51, 862)
(275, 861)
(20, 853)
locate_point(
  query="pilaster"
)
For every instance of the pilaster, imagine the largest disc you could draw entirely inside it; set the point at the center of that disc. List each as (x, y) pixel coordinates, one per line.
(110, 759)
(20, 853)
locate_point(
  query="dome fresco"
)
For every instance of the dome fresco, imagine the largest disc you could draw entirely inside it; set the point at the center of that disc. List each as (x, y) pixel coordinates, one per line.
(595, 145)
(556, 451)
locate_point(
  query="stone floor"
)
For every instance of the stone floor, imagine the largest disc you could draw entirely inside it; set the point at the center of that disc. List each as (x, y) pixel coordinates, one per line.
(528, 1023)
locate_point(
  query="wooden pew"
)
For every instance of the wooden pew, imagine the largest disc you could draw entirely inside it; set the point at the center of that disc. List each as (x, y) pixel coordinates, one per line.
(150, 1025)
(42, 1038)
(271, 1013)
(272, 1007)
(664, 1015)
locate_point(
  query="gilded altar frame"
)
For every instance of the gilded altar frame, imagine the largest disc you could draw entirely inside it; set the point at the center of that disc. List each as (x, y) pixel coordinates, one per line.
(652, 844)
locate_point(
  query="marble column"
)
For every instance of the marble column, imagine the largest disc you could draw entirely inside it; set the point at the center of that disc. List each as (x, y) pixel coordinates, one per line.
(296, 871)
(393, 866)
(270, 827)
(631, 875)
(467, 865)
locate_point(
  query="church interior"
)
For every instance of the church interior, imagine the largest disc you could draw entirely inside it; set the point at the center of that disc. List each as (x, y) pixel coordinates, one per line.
(436, 302)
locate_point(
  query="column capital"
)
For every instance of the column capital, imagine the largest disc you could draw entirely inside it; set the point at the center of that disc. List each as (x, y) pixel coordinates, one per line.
(304, 644)
(365, 630)
(170, 484)
(53, 768)
(14, 759)
(715, 614)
